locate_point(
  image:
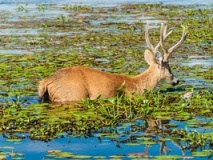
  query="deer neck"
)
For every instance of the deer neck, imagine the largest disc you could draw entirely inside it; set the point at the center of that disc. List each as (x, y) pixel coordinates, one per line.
(149, 79)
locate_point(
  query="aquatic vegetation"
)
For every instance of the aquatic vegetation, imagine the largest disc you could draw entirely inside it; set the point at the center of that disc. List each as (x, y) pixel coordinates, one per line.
(109, 39)
(22, 7)
(121, 119)
(88, 116)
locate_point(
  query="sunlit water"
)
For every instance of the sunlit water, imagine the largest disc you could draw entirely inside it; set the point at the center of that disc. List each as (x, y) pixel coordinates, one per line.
(96, 145)
(91, 146)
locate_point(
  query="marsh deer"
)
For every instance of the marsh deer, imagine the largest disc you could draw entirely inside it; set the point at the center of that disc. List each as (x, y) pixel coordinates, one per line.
(77, 83)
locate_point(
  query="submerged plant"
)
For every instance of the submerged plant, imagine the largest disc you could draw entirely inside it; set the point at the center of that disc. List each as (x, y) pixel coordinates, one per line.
(22, 7)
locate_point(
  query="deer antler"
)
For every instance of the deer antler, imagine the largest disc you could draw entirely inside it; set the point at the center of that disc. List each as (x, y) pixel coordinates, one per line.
(167, 52)
(163, 36)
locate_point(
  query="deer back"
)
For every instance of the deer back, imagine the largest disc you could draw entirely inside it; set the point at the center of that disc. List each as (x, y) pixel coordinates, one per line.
(76, 83)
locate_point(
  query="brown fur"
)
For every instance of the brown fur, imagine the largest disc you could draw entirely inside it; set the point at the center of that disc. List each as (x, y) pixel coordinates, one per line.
(77, 83)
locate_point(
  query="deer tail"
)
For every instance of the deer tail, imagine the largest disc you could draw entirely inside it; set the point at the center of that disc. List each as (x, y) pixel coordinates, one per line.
(43, 89)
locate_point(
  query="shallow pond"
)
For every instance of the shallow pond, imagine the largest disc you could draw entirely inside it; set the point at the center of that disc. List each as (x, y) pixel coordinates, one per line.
(125, 144)
(37, 39)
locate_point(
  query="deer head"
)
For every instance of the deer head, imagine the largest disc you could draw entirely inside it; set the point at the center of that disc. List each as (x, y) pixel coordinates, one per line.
(153, 55)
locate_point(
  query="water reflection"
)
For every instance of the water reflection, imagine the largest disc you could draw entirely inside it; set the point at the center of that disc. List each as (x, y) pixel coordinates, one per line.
(152, 140)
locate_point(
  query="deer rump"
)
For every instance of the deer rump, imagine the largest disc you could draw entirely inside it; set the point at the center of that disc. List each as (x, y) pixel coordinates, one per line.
(77, 83)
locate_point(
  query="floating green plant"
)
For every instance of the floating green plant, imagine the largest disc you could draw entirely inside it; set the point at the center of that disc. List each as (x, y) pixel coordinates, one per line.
(95, 37)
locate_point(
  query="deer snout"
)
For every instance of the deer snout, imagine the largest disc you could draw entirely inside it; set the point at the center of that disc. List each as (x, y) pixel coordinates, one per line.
(175, 81)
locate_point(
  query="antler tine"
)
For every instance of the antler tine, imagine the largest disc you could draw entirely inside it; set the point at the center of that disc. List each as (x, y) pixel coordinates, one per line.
(163, 36)
(184, 34)
(147, 38)
(162, 32)
(172, 49)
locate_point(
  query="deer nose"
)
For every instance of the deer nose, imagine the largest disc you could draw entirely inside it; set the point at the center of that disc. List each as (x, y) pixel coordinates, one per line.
(175, 82)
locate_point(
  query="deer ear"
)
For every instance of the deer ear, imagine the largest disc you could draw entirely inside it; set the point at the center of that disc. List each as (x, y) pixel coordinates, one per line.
(148, 56)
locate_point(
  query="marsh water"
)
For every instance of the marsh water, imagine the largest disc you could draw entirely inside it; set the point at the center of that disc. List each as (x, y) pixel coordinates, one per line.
(96, 147)
(112, 2)
(25, 39)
